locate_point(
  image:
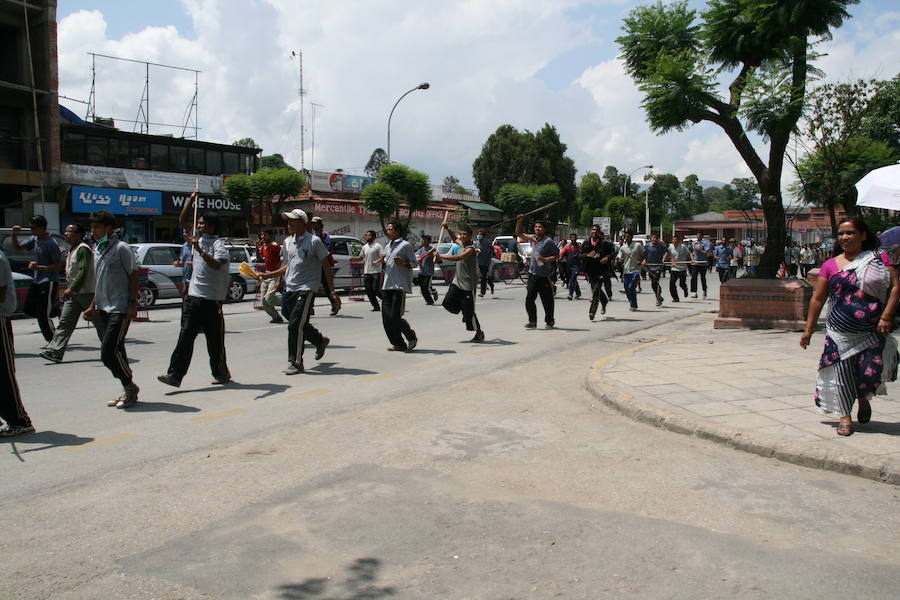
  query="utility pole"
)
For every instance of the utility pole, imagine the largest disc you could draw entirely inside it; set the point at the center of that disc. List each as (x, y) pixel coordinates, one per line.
(299, 56)
(312, 158)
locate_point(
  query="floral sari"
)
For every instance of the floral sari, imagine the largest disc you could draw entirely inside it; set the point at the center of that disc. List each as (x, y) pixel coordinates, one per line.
(857, 360)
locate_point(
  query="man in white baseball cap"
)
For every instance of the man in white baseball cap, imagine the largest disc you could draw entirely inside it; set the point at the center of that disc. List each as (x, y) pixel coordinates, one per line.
(303, 256)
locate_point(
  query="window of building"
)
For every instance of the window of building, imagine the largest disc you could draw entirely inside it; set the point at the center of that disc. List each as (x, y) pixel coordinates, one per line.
(230, 163)
(178, 158)
(196, 160)
(118, 153)
(818, 215)
(96, 150)
(213, 162)
(159, 157)
(73, 148)
(137, 154)
(246, 162)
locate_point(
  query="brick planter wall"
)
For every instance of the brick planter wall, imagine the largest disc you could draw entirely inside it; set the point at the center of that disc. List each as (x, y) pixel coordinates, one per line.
(764, 304)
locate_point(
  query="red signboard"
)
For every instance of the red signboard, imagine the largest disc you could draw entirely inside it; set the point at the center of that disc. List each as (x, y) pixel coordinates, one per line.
(349, 208)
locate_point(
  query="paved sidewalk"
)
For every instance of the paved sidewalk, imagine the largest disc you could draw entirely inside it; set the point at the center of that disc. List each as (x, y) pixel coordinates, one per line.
(751, 390)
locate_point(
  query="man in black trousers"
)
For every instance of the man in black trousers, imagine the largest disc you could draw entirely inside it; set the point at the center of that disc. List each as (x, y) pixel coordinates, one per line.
(202, 308)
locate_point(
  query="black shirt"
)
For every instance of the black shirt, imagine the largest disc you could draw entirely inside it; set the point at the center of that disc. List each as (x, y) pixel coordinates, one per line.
(604, 249)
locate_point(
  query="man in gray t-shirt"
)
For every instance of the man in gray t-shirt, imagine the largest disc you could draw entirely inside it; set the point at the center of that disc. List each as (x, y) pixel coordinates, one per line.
(543, 253)
(202, 308)
(398, 264)
(461, 295)
(47, 264)
(115, 302)
(304, 258)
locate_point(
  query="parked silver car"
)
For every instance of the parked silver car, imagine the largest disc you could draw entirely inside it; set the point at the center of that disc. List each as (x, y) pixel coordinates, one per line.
(165, 279)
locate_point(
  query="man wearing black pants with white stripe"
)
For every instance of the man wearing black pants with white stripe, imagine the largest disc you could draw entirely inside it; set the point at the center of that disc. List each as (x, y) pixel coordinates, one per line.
(11, 409)
(202, 307)
(303, 260)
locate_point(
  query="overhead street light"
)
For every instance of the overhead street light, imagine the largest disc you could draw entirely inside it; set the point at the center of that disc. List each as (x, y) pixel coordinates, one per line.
(421, 86)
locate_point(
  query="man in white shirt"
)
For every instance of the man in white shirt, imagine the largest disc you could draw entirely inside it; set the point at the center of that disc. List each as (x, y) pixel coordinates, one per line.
(373, 256)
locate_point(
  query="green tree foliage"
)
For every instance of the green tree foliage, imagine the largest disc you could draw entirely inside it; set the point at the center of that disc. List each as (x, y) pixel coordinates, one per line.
(838, 153)
(517, 199)
(408, 185)
(664, 194)
(676, 60)
(274, 161)
(450, 184)
(513, 157)
(377, 160)
(693, 200)
(276, 185)
(592, 197)
(741, 194)
(238, 188)
(246, 142)
(619, 207)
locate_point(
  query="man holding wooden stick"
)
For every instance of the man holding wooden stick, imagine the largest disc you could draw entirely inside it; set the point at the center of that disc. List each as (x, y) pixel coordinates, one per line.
(540, 268)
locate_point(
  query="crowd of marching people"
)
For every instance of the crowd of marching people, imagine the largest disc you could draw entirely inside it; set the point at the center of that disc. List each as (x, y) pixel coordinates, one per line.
(102, 285)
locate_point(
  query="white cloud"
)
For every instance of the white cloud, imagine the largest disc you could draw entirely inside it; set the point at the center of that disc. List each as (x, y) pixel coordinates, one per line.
(480, 57)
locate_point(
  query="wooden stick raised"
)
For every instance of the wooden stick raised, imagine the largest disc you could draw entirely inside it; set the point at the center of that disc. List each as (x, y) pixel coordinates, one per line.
(537, 210)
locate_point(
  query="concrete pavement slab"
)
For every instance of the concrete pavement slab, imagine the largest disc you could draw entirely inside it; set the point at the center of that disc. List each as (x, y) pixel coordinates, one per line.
(752, 391)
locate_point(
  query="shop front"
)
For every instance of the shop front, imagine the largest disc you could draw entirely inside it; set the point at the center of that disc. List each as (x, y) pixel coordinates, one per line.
(234, 216)
(136, 209)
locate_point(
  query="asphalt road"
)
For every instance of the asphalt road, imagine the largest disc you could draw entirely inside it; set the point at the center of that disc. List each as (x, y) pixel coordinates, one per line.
(454, 471)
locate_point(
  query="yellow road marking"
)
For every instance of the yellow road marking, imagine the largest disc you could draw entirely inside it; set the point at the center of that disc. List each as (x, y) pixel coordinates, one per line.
(107, 441)
(387, 375)
(557, 334)
(599, 364)
(218, 415)
(315, 392)
(485, 351)
(434, 363)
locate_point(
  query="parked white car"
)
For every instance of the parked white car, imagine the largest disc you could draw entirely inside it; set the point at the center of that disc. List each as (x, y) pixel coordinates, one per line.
(165, 279)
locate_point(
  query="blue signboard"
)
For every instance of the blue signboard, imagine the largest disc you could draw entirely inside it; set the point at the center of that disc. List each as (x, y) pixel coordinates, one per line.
(116, 201)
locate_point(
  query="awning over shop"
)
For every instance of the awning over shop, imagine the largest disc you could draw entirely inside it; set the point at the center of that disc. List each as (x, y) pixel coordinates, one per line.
(480, 206)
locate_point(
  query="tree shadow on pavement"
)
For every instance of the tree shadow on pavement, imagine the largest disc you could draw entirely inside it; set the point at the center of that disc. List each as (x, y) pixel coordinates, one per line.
(495, 342)
(429, 351)
(359, 584)
(328, 368)
(878, 427)
(44, 441)
(161, 407)
(618, 320)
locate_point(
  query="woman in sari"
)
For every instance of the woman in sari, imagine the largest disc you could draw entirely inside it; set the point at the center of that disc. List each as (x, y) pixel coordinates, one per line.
(860, 354)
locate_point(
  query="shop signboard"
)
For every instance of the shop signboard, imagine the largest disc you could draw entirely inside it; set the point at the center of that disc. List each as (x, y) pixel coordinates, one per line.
(174, 201)
(116, 201)
(89, 175)
(326, 181)
(358, 209)
(605, 224)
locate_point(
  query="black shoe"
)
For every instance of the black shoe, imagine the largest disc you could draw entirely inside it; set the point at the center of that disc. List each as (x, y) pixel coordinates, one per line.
(169, 380)
(277, 320)
(591, 315)
(376, 309)
(550, 325)
(479, 337)
(50, 357)
(434, 293)
(410, 344)
(222, 379)
(675, 300)
(335, 310)
(320, 349)
(530, 325)
(397, 349)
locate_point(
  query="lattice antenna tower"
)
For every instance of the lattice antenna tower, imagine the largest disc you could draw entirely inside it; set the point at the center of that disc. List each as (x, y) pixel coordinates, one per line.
(142, 121)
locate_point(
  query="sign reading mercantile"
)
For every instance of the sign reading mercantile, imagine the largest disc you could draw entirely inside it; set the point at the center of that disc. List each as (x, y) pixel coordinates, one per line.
(138, 180)
(174, 201)
(116, 201)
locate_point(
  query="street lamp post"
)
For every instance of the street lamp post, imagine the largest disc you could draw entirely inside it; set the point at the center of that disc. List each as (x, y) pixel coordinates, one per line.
(625, 187)
(421, 86)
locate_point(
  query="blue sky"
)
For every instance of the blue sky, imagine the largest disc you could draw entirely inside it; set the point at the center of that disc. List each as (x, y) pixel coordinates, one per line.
(518, 61)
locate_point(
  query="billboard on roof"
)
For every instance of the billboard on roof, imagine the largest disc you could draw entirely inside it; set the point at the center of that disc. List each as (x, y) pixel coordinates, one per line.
(327, 181)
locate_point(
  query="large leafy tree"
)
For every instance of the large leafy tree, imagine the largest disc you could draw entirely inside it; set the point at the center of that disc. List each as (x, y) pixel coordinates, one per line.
(274, 161)
(622, 208)
(515, 199)
(675, 61)
(377, 160)
(838, 151)
(246, 142)
(394, 185)
(278, 185)
(693, 201)
(526, 158)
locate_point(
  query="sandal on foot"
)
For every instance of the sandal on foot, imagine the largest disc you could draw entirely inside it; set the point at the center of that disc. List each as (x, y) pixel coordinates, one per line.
(845, 430)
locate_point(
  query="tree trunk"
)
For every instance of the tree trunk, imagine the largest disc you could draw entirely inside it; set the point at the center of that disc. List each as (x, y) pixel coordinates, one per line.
(776, 233)
(833, 220)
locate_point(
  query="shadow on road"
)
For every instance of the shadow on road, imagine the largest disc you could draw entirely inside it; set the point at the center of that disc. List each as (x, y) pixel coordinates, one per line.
(430, 351)
(45, 441)
(496, 342)
(162, 407)
(359, 584)
(328, 368)
(268, 389)
(137, 341)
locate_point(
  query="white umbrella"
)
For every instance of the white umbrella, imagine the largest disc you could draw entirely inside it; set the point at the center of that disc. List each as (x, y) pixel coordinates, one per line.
(880, 188)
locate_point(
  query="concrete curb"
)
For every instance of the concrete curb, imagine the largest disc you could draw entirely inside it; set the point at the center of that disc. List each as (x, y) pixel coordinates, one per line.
(806, 455)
